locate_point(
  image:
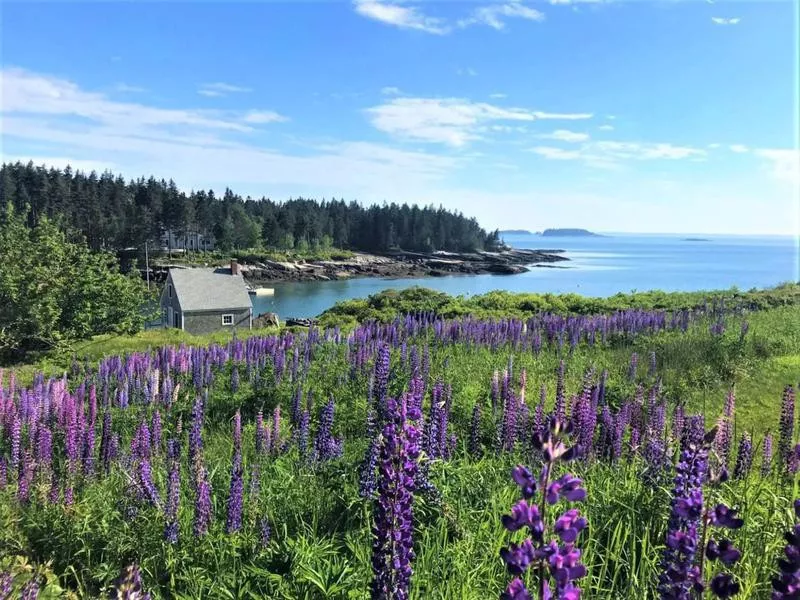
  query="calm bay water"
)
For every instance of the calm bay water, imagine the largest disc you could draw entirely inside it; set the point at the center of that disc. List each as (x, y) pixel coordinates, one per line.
(599, 266)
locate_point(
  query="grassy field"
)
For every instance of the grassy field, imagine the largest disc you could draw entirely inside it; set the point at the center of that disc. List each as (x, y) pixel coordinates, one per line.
(321, 526)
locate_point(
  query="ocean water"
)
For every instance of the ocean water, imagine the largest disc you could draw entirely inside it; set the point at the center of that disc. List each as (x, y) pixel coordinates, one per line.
(598, 266)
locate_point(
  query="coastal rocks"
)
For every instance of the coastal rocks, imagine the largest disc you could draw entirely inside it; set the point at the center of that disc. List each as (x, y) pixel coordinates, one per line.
(404, 264)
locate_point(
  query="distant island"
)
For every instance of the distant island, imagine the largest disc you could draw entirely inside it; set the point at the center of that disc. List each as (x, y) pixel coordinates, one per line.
(515, 232)
(569, 233)
(696, 239)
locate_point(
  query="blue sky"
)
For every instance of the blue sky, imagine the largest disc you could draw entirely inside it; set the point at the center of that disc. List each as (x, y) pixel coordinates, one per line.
(668, 116)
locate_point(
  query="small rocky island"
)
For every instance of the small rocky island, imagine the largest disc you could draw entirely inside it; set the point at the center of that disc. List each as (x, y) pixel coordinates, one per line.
(401, 264)
(569, 232)
(515, 232)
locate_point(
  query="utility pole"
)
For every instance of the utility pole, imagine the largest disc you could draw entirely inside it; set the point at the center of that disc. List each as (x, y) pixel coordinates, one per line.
(147, 265)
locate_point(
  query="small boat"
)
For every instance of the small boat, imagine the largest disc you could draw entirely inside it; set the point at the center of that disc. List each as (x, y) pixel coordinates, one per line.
(261, 291)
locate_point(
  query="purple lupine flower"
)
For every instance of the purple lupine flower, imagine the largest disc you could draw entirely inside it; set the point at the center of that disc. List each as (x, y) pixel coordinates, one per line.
(155, 432)
(560, 558)
(766, 455)
(392, 549)
(29, 591)
(302, 438)
(145, 483)
(744, 457)
(677, 577)
(5, 582)
(236, 495)
(128, 585)
(3, 472)
(786, 586)
(173, 494)
(326, 446)
(235, 378)
(724, 437)
(474, 446)
(366, 475)
(202, 505)
(495, 391)
(381, 386)
(264, 532)
(786, 433)
(16, 439)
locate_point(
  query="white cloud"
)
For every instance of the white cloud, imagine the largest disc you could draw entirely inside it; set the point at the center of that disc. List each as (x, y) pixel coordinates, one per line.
(495, 15)
(564, 135)
(404, 17)
(606, 127)
(125, 88)
(390, 91)
(61, 162)
(469, 71)
(785, 164)
(611, 154)
(218, 89)
(714, 145)
(259, 117)
(498, 96)
(725, 20)
(739, 148)
(556, 153)
(67, 124)
(451, 121)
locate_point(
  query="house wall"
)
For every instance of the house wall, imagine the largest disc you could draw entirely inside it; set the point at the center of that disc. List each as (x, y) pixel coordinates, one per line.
(199, 323)
(167, 302)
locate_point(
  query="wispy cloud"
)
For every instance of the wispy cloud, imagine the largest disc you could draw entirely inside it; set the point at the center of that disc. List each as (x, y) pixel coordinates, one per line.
(404, 17)
(124, 88)
(739, 148)
(725, 20)
(72, 125)
(398, 13)
(565, 135)
(469, 72)
(495, 15)
(606, 127)
(214, 90)
(498, 96)
(390, 91)
(611, 154)
(450, 121)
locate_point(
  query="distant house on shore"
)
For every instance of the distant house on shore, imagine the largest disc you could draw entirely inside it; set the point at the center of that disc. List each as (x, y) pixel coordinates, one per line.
(188, 240)
(205, 300)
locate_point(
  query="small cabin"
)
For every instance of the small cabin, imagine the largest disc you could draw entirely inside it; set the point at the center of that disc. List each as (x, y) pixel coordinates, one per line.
(202, 301)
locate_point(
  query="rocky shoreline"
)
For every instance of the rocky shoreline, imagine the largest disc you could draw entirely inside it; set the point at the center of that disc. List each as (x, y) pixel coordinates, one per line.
(401, 264)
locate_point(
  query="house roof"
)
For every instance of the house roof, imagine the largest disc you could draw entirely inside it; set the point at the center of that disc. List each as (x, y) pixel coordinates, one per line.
(209, 289)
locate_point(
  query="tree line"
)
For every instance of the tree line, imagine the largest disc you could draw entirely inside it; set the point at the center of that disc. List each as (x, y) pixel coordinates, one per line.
(113, 213)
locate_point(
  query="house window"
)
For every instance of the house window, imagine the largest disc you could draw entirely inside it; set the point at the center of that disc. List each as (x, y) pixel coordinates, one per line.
(227, 319)
(169, 289)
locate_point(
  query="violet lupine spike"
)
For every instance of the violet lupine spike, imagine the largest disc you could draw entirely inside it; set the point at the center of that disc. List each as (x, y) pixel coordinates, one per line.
(235, 498)
(156, 432)
(276, 430)
(202, 506)
(302, 438)
(173, 493)
(264, 532)
(683, 542)
(128, 585)
(560, 557)
(260, 433)
(145, 482)
(6, 579)
(392, 549)
(382, 370)
(653, 367)
(766, 455)
(744, 457)
(474, 445)
(786, 585)
(366, 476)
(326, 446)
(29, 591)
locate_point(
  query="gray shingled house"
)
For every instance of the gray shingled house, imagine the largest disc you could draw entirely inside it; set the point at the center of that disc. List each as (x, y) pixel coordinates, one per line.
(204, 300)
